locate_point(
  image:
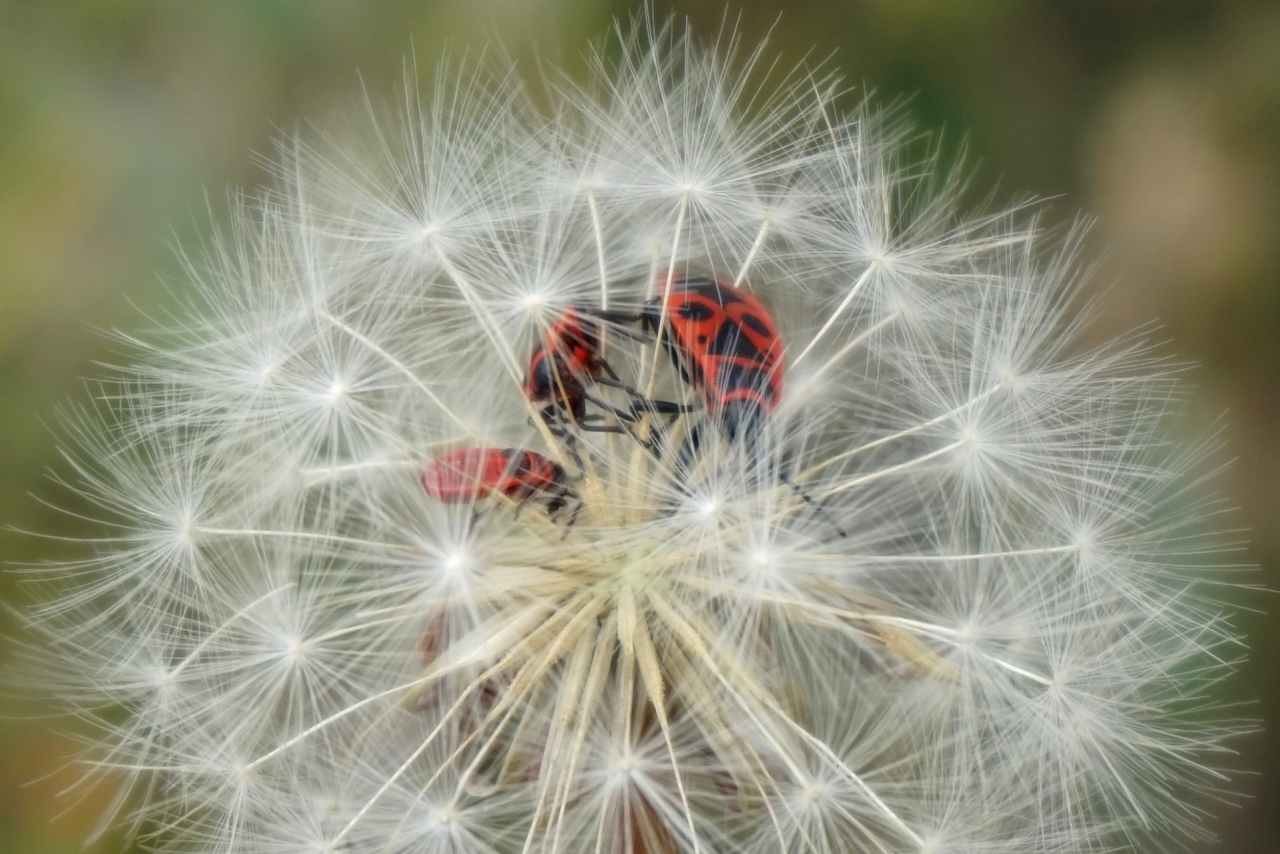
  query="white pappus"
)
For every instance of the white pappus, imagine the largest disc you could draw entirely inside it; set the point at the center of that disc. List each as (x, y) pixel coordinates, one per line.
(358, 591)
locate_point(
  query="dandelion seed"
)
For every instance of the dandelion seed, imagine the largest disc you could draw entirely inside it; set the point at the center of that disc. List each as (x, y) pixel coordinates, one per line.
(664, 470)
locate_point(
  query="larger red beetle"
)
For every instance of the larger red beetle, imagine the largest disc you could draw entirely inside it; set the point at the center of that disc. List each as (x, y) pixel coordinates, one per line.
(725, 344)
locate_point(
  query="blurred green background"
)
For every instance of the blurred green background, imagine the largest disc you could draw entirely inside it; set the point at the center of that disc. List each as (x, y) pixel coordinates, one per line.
(1159, 117)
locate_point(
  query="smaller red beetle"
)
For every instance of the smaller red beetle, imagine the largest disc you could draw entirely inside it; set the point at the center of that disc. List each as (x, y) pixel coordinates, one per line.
(565, 362)
(470, 474)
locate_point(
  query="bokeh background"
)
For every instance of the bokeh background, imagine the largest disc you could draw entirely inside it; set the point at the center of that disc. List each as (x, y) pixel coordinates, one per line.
(1161, 118)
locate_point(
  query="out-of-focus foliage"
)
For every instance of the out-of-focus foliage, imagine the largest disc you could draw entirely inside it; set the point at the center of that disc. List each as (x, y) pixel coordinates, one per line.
(1160, 117)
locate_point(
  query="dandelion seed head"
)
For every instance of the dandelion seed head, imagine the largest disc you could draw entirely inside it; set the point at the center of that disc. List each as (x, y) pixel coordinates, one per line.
(451, 519)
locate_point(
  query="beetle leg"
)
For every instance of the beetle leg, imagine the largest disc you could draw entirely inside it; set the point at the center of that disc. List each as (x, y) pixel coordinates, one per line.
(552, 416)
(608, 369)
(601, 428)
(577, 508)
(577, 458)
(616, 413)
(661, 407)
(524, 499)
(571, 445)
(614, 382)
(609, 316)
(684, 460)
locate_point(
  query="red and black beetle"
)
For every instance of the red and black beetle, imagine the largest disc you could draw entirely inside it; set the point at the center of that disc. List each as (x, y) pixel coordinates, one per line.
(469, 474)
(725, 345)
(566, 361)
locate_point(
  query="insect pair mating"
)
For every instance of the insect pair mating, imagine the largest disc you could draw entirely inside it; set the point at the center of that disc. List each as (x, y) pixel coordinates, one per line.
(724, 344)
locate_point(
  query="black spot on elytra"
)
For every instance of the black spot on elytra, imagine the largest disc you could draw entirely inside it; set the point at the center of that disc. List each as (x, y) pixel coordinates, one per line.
(734, 377)
(730, 341)
(756, 325)
(696, 311)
